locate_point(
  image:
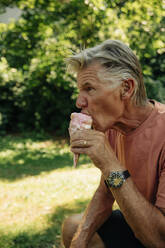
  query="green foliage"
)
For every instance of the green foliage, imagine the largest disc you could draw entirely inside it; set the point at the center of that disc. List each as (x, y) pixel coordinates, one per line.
(36, 92)
(6, 241)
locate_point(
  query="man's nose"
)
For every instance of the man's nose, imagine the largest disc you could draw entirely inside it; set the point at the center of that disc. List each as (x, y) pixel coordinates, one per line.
(81, 102)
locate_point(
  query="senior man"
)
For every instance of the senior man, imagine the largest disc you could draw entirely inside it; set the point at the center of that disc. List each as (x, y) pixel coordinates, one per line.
(127, 144)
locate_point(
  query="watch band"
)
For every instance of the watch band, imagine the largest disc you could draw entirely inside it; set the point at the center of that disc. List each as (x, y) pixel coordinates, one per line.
(126, 174)
(106, 184)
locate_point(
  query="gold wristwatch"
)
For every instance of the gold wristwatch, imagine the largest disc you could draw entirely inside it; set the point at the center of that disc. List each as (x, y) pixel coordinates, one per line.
(116, 178)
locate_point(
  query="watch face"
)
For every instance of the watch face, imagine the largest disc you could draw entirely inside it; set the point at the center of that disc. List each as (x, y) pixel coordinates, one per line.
(116, 179)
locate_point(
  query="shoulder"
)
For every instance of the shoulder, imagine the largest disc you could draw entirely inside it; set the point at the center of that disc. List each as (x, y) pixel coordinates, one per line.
(160, 107)
(158, 121)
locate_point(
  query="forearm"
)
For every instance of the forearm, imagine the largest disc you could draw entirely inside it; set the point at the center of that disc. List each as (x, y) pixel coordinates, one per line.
(99, 209)
(146, 221)
(95, 215)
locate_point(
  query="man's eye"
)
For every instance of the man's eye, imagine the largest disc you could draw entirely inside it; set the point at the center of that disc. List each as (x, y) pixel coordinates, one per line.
(89, 88)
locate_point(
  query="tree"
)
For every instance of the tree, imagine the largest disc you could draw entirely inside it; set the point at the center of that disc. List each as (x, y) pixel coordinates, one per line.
(38, 93)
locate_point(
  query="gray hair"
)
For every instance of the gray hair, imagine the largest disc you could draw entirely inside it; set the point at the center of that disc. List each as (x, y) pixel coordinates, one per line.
(119, 63)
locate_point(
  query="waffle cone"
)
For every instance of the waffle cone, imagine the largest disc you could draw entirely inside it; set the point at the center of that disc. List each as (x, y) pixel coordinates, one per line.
(75, 159)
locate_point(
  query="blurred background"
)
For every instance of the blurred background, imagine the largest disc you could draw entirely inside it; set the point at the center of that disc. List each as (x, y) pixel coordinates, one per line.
(37, 35)
(38, 185)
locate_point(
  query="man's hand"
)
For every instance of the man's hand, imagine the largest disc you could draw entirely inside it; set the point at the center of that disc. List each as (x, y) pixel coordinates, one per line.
(96, 146)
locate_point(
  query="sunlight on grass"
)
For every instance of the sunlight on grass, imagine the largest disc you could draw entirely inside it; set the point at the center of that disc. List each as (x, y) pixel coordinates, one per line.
(42, 149)
(6, 154)
(40, 195)
(38, 188)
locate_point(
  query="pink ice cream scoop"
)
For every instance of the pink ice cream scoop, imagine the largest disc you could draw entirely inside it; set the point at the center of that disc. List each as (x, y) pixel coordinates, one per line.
(79, 121)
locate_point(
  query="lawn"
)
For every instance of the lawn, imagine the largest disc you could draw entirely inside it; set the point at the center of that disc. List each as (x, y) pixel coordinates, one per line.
(39, 188)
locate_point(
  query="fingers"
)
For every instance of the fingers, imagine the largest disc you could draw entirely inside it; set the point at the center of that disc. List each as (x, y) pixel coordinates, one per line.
(80, 143)
(81, 146)
(85, 138)
(89, 142)
(85, 135)
(80, 150)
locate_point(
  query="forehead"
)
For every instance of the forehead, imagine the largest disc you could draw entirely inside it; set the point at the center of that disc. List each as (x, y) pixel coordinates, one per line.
(89, 74)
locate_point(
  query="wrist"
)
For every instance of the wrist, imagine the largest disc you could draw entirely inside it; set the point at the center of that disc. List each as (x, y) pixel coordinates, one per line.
(76, 243)
(110, 167)
(80, 238)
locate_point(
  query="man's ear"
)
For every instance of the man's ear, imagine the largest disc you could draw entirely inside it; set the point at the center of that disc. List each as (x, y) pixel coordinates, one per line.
(127, 90)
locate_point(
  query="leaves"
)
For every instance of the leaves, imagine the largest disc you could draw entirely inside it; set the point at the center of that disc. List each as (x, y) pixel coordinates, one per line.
(36, 91)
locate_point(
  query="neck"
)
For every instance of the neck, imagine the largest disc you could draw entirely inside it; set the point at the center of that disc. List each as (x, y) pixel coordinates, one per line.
(133, 117)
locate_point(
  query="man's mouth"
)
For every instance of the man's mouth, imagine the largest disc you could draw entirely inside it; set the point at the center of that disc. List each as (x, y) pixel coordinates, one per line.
(82, 112)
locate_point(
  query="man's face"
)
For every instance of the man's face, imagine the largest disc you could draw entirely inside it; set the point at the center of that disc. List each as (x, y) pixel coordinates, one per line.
(98, 99)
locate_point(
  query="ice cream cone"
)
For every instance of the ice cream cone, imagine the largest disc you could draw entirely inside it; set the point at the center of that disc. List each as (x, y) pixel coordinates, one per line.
(75, 159)
(79, 121)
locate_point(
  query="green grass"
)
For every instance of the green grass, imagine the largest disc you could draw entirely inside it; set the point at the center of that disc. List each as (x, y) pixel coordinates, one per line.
(39, 188)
